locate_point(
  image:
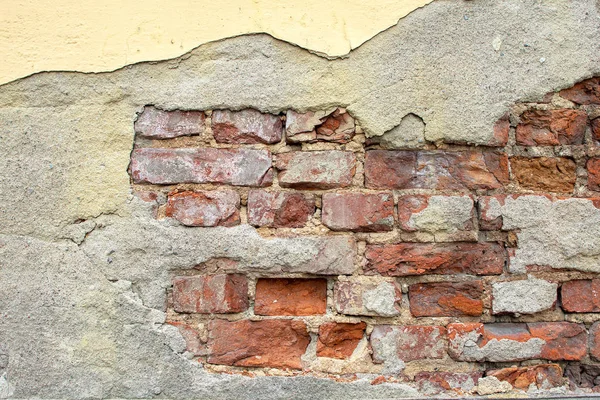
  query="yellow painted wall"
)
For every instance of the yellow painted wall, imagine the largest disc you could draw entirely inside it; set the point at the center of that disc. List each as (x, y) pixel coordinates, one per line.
(94, 36)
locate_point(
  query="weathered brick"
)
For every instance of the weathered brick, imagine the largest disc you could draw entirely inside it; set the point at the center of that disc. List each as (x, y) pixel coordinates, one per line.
(446, 299)
(367, 297)
(501, 131)
(527, 296)
(339, 340)
(554, 174)
(269, 343)
(205, 208)
(442, 216)
(279, 209)
(154, 123)
(332, 126)
(438, 382)
(595, 340)
(543, 376)
(209, 294)
(290, 297)
(239, 167)
(316, 169)
(596, 128)
(435, 170)
(405, 259)
(585, 92)
(583, 376)
(407, 343)
(516, 342)
(551, 127)
(593, 168)
(246, 126)
(490, 212)
(359, 212)
(581, 296)
(193, 342)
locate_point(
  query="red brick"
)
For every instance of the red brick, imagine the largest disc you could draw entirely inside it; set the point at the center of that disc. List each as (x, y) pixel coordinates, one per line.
(280, 209)
(339, 340)
(246, 126)
(405, 259)
(209, 294)
(316, 169)
(543, 376)
(489, 220)
(359, 212)
(291, 297)
(313, 126)
(559, 341)
(434, 214)
(446, 299)
(501, 131)
(464, 170)
(192, 338)
(585, 92)
(239, 167)
(158, 124)
(205, 208)
(439, 382)
(581, 296)
(409, 343)
(593, 168)
(269, 343)
(555, 174)
(551, 127)
(596, 129)
(595, 340)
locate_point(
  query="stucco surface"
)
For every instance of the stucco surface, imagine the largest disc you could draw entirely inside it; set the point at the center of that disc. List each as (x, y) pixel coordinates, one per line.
(92, 36)
(75, 325)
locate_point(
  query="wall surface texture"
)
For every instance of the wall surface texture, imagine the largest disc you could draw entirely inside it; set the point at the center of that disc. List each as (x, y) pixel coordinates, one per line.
(254, 220)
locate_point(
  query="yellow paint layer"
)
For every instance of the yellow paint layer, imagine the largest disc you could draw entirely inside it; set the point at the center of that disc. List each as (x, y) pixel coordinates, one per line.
(95, 36)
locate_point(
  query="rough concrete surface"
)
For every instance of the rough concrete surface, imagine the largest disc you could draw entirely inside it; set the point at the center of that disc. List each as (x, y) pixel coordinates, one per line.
(83, 268)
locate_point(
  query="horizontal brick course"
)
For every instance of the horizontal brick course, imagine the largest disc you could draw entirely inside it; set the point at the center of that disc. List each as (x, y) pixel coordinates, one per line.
(246, 126)
(359, 212)
(279, 209)
(407, 342)
(290, 297)
(316, 169)
(551, 127)
(205, 208)
(446, 299)
(552, 174)
(154, 123)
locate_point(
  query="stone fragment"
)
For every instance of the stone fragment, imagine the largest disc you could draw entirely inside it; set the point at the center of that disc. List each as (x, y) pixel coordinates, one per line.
(438, 215)
(441, 170)
(192, 338)
(504, 342)
(547, 174)
(239, 167)
(581, 296)
(584, 376)
(409, 134)
(331, 126)
(492, 385)
(446, 299)
(339, 340)
(523, 297)
(246, 127)
(154, 123)
(290, 297)
(595, 340)
(359, 212)
(316, 169)
(585, 92)
(280, 209)
(551, 127)
(405, 259)
(210, 294)
(407, 343)
(593, 169)
(205, 208)
(367, 297)
(431, 383)
(542, 376)
(269, 343)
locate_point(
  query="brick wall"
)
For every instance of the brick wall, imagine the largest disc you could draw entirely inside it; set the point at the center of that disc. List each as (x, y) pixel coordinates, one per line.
(418, 272)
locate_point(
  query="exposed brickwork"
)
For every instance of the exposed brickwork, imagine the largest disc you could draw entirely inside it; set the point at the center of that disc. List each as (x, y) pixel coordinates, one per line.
(279, 209)
(554, 174)
(541, 376)
(210, 294)
(595, 340)
(586, 92)
(246, 126)
(290, 297)
(359, 212)
(593, 168)
(207, 208)
(552, 127)
(367, 298)
(337, 126)
(409, 342)
(339, 340)
(446, 299)
(316, 169)
(154, 123)
(581, 296)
